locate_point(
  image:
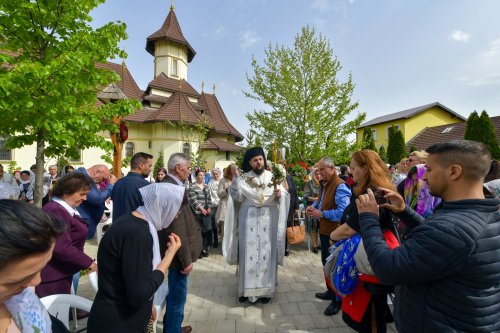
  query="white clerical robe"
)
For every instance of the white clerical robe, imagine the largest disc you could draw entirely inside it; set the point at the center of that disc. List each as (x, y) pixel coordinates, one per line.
(254, 233)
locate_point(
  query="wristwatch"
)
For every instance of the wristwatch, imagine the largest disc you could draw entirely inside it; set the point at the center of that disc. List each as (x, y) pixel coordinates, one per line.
(322, 214)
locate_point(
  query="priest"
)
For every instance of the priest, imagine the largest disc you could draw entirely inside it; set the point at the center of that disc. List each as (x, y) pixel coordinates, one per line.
(255, 227)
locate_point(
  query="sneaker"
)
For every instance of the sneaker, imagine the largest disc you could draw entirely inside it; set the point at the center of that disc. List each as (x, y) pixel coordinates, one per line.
(204, 253)
(332, 309)
(326, 296)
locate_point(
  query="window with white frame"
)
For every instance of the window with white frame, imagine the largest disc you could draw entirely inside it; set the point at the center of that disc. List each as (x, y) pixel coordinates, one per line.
(374, 134)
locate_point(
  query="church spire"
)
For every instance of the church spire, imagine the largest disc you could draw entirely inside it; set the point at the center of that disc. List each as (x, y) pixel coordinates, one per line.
(171, 5)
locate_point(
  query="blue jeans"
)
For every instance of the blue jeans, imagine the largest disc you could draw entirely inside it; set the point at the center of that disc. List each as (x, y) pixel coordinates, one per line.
(176, 299)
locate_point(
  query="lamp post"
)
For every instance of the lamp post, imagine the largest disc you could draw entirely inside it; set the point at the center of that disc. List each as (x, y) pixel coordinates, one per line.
(112, 94)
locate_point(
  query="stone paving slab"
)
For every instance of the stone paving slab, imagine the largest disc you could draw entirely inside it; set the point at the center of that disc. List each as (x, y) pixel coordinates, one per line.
(212, 303)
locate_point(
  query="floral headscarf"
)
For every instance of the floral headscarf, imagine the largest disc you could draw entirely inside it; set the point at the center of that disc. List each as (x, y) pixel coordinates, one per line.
(417, 193)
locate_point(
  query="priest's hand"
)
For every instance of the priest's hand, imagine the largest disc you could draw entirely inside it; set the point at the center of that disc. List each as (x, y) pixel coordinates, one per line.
(277, 193)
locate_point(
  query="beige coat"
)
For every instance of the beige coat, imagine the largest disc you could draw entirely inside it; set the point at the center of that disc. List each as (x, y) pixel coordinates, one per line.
(222, 193)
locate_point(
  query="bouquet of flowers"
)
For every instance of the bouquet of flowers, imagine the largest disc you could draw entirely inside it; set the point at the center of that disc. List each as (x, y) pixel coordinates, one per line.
(279, 174)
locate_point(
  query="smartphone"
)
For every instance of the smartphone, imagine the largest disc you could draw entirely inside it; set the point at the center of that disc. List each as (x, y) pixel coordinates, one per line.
(379, 196)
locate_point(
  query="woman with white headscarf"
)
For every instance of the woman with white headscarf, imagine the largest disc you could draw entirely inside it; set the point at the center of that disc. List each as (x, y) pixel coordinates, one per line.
(129, 262)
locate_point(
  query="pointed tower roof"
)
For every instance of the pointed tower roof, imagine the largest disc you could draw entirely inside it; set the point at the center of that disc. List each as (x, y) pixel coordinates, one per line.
(170, 30)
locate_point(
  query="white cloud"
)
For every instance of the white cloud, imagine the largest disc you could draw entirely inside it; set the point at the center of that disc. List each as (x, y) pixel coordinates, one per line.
(494, 50)
(321, 5)
(219, 32)
(249, 39)
(459, 36)
(484, 69)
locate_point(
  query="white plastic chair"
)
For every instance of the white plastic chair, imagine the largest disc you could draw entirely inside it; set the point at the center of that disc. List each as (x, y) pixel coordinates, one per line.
(99, 229)
(59, 305)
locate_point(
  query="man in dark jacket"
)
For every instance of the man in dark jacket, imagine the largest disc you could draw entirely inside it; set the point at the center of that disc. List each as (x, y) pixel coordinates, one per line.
(125, 195)
(448, 267)
(186, 227)
(92, 209)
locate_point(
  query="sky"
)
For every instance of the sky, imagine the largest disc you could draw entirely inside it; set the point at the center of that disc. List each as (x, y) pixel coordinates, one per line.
(401, 54)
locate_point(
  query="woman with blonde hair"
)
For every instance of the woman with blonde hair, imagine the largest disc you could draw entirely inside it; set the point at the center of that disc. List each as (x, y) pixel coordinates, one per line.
(401, 172)
(369, 311)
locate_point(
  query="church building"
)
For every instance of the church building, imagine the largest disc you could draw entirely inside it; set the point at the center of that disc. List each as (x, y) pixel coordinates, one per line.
(174, 116)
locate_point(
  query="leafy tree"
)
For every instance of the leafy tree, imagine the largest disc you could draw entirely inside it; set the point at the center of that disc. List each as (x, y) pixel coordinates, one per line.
(160, 162)
(480, 128)
(308, 102)
(368, 141)
(396, 149)
(382, 153)
(473, 129)
(413, 148)
(49, 81)
(488, 132)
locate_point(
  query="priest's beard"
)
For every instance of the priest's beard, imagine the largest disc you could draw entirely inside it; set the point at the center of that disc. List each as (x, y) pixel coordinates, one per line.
(258, 171)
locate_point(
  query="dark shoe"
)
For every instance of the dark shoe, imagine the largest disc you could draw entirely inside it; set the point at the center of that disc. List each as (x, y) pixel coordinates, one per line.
(332, 309)
(216, 243)
(326, 296)
(287, 253)
(186, 329)
(264, 300)
(315, 250)
(242, 299)
(204, 253)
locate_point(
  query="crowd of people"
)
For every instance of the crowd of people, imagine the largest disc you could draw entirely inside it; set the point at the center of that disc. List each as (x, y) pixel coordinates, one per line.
(424, 231)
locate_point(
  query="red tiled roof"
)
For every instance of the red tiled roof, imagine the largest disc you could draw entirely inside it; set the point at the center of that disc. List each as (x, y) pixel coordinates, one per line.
(431, 135)
(127, 83)
(219, 119)
(178, 108)
(170, 30)
(169, 84)
(218, 144)
(156, 98)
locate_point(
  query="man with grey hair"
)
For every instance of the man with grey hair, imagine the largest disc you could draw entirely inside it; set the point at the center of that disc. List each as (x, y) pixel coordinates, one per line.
(186, 227)
(333, 197)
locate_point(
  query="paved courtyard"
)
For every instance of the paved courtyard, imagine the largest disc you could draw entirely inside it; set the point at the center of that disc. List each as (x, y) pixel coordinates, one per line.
(212, 304)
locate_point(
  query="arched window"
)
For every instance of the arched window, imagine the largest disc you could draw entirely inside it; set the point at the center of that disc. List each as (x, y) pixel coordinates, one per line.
(186, 149)
(5, 153)
(129, 149)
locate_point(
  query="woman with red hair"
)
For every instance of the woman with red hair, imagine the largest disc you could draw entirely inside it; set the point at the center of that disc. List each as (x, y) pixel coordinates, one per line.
(366, 307)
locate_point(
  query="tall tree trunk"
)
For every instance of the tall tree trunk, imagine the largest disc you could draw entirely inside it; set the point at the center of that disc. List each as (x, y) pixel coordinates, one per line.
(40, 168)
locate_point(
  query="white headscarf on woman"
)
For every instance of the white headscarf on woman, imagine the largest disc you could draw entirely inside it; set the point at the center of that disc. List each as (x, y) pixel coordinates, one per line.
(162, 202)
